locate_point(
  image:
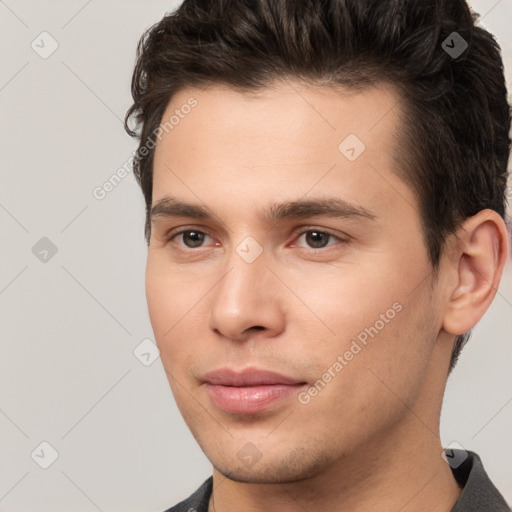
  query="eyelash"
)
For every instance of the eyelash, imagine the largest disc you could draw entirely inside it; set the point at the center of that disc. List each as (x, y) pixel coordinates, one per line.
(174, 235)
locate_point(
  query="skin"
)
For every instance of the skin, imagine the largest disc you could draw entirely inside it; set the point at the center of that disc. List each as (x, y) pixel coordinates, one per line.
(369, 440)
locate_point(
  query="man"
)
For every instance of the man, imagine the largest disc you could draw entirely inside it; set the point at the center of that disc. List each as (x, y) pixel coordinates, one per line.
(325, 189)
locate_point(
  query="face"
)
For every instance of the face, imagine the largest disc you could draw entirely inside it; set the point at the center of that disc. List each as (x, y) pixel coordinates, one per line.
(291, 296)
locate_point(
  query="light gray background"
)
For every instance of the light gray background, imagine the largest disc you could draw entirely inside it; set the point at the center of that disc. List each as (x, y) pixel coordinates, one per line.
(68, 375)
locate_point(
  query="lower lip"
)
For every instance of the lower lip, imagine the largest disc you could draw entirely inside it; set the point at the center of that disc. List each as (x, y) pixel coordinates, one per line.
(250, 399)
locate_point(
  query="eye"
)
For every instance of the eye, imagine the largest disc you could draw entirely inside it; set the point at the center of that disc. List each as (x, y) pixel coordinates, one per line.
(192, 238)
(318, 239)
(314, 238)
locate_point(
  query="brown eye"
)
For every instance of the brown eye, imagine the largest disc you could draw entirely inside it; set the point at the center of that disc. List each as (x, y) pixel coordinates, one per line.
(191, 238)
(317, 239)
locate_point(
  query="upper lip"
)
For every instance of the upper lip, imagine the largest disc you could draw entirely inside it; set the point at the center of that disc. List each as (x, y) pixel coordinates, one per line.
(248, 377)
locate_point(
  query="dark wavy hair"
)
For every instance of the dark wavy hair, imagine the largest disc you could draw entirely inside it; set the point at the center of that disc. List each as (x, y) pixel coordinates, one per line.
(455, 141)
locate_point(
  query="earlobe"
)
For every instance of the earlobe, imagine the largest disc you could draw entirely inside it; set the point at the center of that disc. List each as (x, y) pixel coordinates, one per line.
(482, 253)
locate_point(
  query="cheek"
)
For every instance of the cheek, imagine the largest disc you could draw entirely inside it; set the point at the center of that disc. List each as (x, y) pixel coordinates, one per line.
(161, 303)
(343, 300)
(175, 307)
(169, 293)
(375, 382)
(167, 303)
(395, 349)
(371, 317)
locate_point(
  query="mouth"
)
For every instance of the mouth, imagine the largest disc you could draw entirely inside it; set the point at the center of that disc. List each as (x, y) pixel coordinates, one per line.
(249, 391)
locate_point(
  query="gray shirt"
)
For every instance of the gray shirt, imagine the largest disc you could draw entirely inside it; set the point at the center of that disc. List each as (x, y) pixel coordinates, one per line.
(478, 493)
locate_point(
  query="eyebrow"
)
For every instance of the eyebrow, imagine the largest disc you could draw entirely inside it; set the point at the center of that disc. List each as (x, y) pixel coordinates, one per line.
(170, 207)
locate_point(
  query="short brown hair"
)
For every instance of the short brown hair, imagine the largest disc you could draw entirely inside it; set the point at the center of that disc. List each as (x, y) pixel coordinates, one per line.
(456, 131)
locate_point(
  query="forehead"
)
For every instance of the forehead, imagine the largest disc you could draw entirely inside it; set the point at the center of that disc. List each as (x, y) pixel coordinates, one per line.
(287, 139)
(289, 106)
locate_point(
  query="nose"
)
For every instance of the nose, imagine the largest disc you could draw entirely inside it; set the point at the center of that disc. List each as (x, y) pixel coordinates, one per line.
(247, 299)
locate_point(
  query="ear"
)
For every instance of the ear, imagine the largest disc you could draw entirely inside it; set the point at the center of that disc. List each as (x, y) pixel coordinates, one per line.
(478, 262)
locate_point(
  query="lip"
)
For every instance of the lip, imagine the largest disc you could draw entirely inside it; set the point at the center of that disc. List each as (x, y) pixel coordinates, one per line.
(248, 377)
(250, 390)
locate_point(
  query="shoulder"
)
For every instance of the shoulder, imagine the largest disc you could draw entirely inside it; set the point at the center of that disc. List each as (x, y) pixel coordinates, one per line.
(478, 492)
(196, 502)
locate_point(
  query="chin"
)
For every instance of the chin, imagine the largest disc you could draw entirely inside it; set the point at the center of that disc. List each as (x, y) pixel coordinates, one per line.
(280, 469)
(259, 476)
